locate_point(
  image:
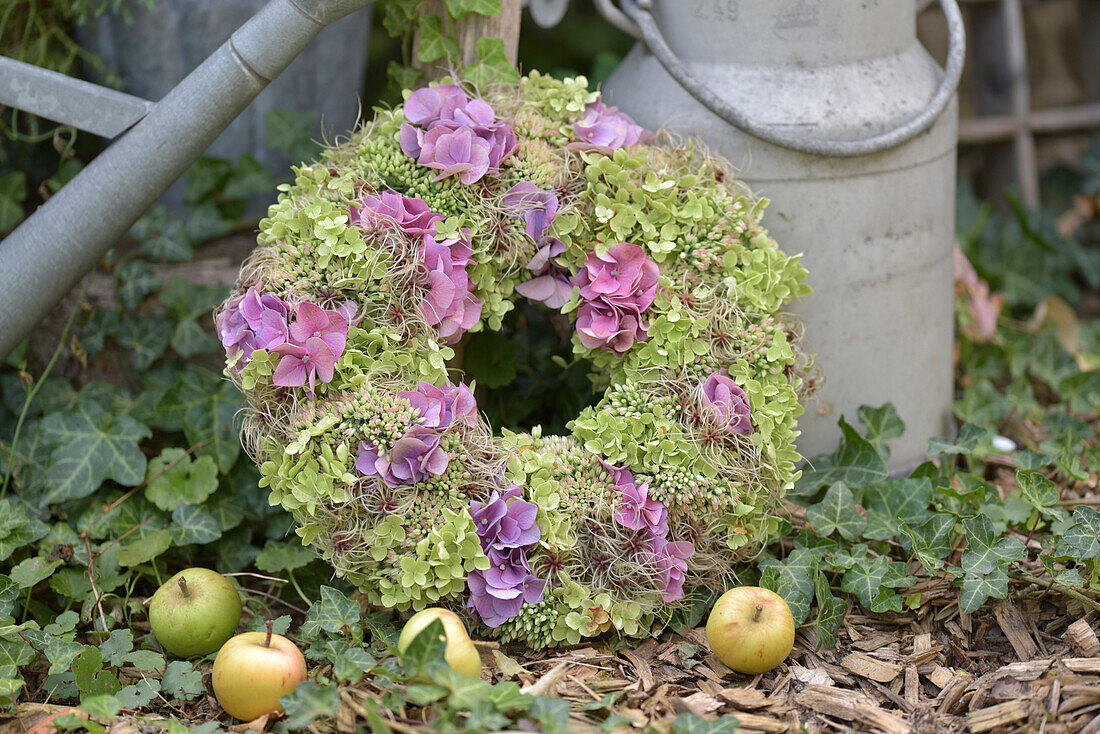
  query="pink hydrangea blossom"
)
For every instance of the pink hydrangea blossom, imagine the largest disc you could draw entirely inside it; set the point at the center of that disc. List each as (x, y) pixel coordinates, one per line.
(616, 288)
(624, 276)
(410, 459)
(726, 404)
(448, 131)
(535, 206)
(605, 129)
(440, 407)
(312, 321)
(671, 560)
(408, 213)
(984, 308)
(300, 364)
(450, 303)
(636, 510)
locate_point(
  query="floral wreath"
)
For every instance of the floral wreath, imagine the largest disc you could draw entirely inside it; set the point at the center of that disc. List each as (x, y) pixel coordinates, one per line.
(427, 224)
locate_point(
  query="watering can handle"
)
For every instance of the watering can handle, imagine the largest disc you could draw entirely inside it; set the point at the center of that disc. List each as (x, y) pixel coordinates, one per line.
(637, 12)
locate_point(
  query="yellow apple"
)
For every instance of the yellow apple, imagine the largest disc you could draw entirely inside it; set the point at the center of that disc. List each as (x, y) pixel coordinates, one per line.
(194, 612)
(254, 670)
(751, 629)
(460, 654)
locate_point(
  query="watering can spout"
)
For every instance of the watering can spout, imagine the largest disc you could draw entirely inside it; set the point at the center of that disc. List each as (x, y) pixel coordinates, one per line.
(48, 254)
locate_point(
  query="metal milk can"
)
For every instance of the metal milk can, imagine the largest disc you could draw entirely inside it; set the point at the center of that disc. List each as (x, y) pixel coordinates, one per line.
(834, 111)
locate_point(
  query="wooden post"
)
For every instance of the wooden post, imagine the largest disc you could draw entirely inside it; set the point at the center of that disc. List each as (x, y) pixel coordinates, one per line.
(471, 28)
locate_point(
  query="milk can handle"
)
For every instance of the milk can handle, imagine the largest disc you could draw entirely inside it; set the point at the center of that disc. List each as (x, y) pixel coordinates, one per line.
(638, 12)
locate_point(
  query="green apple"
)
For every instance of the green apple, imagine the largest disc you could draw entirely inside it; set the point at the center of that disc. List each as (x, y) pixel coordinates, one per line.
(253, 671)
(751, 629)
(195, 612)
(460, 654)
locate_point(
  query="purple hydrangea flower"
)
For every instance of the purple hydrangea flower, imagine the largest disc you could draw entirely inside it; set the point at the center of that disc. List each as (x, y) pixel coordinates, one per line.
(442, 406)
(450, 303)
(724, 402)
(605, 129)
(502, 524)
(408, 213)
(448, 131)
(497, 604)
(616, 289)
(535, 206)
(308, 348)
(411, 458)
(506, 526)
(638, 511)
(253, 321)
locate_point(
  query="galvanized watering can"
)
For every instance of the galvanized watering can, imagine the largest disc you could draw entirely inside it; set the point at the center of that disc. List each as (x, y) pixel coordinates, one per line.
(48, 254)
(834, 111)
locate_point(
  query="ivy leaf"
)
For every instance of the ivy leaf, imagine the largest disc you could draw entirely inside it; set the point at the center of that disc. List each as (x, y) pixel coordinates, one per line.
(689, 723)
(145, 338)
(30, 571)
(434, 43)
(930, 541)
(9, 592)
(552, 713)
(493, 66)
(308, 702)
(855, 462)
(1041, 493)
(978, 588)
(866, 577)
(399, 15)
(248, 178)
(425, 652)
(984, 550)
(181, 681)
(830, 612)
(102, 706)
(140, 694)
(1081, 539)
(135, 282)
(91, 446)
(792, 579)
(117, 646)
(881, 424)
(175, 479)
(91, 678)
(836, 512)
(60, 651)
(352, 664)
(291, 131)
(277, 556)
(279, 625)
(144, 549)
(194, 525)
(332, 613)
(461, 8)
(205, 405)
(895, 502)
(145, 660)
(970, 435)
(17, 528)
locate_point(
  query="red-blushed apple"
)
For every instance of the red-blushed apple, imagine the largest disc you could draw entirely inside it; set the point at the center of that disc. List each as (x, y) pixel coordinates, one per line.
(194, 612)
(254, 670)
(460, 653)
(751, 629)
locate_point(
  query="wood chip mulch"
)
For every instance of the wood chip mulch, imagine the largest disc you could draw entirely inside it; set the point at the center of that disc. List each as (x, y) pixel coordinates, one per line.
(1020, 665)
